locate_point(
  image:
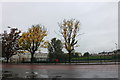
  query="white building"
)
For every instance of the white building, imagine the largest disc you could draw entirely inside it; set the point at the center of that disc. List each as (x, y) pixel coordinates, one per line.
(41, 55)
(27, 57)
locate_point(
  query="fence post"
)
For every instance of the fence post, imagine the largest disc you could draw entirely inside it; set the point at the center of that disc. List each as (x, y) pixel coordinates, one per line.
(100, 60)
(76, 60)
(104, 57)
(88, 59)
(65, 60)
(115, 58)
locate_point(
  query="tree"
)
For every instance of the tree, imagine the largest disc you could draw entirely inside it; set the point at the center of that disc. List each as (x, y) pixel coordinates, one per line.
(10, 43)
(69, 30)
(55, 49)
(86, 54)
(33, 39)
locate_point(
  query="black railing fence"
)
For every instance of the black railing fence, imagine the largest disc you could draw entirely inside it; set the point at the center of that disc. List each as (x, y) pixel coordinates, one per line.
(101, 59)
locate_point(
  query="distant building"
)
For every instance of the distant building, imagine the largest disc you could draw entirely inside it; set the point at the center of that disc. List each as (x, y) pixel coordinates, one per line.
(94, 54)
(21, 56)
(77, 54)
(116, 51)
(26, 56)
(110, 53)
(41, 55)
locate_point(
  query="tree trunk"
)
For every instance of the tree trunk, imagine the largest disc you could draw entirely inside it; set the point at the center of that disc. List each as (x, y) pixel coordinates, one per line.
(32, 57)
(69, 56)
(7, 59)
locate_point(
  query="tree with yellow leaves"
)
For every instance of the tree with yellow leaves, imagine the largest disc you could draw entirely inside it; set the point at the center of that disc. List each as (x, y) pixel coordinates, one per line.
(69, 30)
(33, 39)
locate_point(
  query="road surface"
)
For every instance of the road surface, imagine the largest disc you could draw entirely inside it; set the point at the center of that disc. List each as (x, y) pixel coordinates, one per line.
(63, 71)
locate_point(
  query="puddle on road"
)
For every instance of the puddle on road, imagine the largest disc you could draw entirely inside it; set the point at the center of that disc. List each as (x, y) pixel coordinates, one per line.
(31, 75)
(26, 73)
(10, 74)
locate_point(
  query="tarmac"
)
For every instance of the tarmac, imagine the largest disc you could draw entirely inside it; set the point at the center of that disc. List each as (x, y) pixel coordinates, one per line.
(60, 71)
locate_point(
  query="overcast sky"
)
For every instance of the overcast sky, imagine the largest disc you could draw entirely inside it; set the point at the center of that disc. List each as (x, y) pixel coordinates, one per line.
(99, 21)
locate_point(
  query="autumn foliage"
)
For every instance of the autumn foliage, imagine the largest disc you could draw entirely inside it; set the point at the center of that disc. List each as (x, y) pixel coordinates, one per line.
(69, 30)
(33, 39)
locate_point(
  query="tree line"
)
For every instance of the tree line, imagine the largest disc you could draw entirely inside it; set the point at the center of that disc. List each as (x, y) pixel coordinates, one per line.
(34, 38)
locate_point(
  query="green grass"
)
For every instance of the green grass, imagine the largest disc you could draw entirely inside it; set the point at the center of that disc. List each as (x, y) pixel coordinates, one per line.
(92, 57)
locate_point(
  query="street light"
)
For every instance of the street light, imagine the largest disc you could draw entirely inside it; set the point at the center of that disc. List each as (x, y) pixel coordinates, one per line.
(116, 45)
(116, 55)
(9, 27)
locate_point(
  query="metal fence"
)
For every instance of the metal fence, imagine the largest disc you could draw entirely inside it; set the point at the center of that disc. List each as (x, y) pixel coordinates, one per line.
(101, 59)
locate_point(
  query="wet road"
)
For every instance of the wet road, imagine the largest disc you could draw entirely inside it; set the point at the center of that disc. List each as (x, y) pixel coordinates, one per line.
(63, 71)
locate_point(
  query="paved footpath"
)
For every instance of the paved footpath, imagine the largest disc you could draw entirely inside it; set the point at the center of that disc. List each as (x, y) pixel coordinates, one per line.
(64, 71)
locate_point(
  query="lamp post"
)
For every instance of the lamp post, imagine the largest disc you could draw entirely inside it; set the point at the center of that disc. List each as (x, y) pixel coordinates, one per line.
(116, 45)
(116, 55)
(9, 27)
